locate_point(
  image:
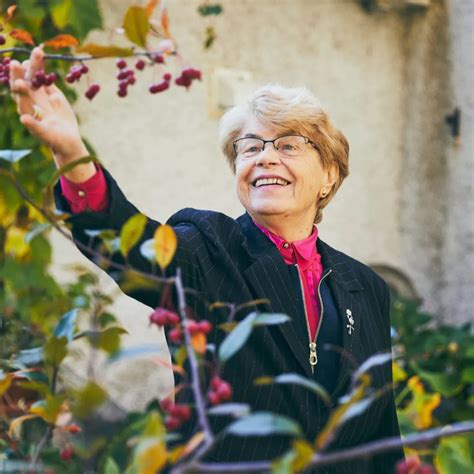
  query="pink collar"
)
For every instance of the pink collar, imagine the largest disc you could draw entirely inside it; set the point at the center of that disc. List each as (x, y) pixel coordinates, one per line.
(302, 252)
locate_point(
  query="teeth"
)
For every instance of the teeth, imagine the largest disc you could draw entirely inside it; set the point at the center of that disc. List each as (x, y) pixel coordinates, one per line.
(265, 181)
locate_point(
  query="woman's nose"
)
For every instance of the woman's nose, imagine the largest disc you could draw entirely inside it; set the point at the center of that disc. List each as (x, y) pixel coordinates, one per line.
(268, 156)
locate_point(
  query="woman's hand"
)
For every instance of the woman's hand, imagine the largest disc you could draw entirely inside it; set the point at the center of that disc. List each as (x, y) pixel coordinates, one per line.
(46, 113)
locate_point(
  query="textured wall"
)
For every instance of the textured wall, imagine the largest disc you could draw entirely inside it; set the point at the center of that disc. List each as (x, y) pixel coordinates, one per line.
(379, 77)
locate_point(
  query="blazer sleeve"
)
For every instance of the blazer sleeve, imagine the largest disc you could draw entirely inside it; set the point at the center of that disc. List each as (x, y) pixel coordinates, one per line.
(388, 427)
(113, 218)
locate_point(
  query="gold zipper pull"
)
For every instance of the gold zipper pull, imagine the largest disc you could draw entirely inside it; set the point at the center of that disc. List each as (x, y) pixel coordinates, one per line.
(313, 356)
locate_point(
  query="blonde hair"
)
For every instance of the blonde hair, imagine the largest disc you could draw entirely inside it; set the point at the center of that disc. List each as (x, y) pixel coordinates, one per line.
(290, 110)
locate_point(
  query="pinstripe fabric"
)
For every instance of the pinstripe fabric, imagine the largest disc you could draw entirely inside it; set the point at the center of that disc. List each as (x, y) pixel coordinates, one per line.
(229, 260)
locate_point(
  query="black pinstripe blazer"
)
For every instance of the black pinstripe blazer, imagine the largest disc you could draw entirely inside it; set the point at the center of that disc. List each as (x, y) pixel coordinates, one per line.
(229, 260)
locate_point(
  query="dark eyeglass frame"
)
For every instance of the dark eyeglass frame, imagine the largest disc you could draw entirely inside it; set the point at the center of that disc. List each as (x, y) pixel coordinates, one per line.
(306, 141)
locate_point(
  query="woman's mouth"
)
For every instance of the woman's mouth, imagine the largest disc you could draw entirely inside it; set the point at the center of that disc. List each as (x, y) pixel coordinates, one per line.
(259, 182)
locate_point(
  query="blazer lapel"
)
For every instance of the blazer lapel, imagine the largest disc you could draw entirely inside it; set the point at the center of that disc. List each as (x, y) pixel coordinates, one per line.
(269, 277)
(346, 289)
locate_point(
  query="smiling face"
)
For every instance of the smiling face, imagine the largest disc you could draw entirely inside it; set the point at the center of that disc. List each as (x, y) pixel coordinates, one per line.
(275, 189)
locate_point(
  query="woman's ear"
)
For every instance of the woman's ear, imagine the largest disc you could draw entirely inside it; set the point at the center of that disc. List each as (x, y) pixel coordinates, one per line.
(330, 178)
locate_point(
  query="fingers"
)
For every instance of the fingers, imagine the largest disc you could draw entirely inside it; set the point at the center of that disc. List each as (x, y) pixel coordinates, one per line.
(34, 64)
(33, 125)
(16, 71)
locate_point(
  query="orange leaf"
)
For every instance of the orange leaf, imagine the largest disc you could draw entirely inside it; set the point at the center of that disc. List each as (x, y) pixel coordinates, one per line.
(165, 23)
(198, 341)
(62, 41)
(10, 11)
(165, 363)
(23, 36)
(192, 444)
(151, 5)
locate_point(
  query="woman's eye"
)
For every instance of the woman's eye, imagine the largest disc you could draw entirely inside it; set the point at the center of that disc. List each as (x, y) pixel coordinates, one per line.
(252, 149)
(289, 147)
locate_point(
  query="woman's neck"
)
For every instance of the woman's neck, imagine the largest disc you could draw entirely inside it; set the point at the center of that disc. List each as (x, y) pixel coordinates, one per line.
(287, 228)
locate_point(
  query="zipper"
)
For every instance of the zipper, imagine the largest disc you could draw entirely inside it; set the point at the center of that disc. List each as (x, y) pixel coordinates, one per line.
(313, 355)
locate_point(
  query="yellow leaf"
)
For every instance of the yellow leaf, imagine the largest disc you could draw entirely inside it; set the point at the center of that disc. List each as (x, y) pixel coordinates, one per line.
(103, 51)
(150, 457)
(136, 25)
(399, 375)
(5, 383)
(61, 13)
(165, 244)
(131, 232)
(15, 425)
(15, 244)
(304, 454)
(199, 341)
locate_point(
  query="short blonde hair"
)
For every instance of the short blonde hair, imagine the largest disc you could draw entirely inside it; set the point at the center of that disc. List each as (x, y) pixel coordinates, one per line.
(290, 110)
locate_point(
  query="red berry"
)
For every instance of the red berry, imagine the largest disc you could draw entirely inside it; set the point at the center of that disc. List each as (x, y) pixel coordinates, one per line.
(92, 91)
(172, 318)
(176, 336)
(121, 63)
(183, 81)
(166, 404)
(73, 429)
(158, 58)
(51, 78)
(205, 326)
(167, 76)
(160, 87)
(214, 398)
(172, 423)
(123, 93)
(224, 391)
(140, 64)
(67, 453)
(70, 78)
(2, 40)
(182, 412)
(426, 469)
(123, 74)
(131, 80)
(193, 326)
(191, 73)
(84, 69)
(159, 316)
(215, 382)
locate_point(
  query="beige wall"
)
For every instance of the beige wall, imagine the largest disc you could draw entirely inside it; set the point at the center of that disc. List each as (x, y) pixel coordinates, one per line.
(372, 72)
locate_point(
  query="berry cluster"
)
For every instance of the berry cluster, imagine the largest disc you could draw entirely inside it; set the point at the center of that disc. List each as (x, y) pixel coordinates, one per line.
(187, 76)
(125, 76)
(220, 391)
(412, 465)
(76, 72)
(161, 86)
(4, 71)
(164, 317)
(176, 414)
(42, 79)
(194, 327)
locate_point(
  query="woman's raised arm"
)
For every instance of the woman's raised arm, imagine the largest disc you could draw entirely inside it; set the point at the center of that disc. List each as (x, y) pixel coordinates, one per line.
(46, 113)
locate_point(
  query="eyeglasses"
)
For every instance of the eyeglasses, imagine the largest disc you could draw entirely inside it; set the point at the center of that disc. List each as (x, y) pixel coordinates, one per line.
(287, 146)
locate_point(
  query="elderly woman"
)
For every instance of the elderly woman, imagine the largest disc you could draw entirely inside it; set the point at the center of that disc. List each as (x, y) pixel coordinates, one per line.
(289, 160)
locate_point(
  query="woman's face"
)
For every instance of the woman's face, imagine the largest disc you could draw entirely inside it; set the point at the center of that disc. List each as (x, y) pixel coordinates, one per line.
(304, 179)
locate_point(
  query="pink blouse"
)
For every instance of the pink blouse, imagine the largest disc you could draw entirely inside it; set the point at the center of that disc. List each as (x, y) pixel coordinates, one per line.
(91, 195)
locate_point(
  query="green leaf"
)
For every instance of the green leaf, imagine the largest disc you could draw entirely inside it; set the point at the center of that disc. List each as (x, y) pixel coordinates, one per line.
(373, 361)
(265, 319)
(154, 426)
(447, 384)
(131, 232)
(297, 379)
(236, 410)
(37, 230)
(55, 350)
(13, 156)
(237, 338)
(109, 339)
(88, 398)
(85, 16)
(136, 25)
(263, 424)
(66, 325)
(453, 456)
(61, 13)
(110, 467)
(468, 375)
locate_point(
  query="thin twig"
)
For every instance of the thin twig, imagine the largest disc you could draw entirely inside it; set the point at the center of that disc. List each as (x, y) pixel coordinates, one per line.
(366, 450)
